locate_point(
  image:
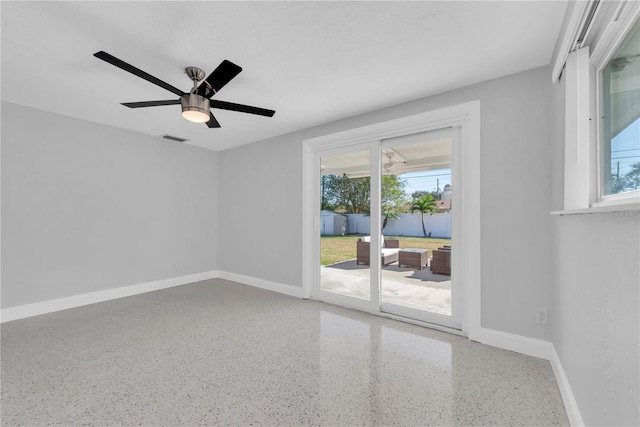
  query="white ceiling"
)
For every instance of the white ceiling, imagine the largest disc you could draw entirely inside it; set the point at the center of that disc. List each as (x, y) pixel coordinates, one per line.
(312, 62)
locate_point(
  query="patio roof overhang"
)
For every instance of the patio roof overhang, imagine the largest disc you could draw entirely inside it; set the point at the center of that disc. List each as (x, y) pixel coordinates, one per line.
(423, 156)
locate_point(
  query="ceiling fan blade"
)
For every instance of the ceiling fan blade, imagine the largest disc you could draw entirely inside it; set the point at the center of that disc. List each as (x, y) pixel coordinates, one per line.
(222, 75)
(222, 105)
(212, 123)
(136, 71)
(151, 103)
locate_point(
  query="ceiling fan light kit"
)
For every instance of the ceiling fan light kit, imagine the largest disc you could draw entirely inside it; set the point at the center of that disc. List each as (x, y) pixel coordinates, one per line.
(196, 104)
(195, 108)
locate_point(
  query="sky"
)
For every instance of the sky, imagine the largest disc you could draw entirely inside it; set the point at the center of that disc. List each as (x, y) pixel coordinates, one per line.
(426, 180)
(625, 148)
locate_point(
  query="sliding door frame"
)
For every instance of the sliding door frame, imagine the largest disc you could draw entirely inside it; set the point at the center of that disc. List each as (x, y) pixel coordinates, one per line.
(467, 117)
(457, 239)
(374, 265)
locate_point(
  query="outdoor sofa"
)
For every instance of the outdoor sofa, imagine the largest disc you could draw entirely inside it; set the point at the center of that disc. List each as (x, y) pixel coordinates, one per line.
(388, 251)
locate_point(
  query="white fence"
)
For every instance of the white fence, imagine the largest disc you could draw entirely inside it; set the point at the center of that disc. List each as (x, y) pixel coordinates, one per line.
(436, 225)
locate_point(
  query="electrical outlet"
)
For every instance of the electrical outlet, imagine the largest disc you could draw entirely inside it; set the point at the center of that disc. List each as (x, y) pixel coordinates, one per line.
(541, 316)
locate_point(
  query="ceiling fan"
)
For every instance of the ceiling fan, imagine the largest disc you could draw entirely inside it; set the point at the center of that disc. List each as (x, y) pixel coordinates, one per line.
(392, 166)
(197, 102)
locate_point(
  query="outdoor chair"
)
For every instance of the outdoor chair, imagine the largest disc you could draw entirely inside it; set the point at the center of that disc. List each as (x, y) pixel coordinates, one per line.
(388, 251)
(441, 261)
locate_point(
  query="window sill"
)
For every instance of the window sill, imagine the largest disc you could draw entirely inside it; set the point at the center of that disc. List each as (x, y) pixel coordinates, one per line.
(626, 209)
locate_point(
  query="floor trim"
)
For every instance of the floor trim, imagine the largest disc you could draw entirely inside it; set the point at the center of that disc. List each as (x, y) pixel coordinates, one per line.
(569, 400)
(543, 350)
(512, 342)
(49, 306)
(280, 288)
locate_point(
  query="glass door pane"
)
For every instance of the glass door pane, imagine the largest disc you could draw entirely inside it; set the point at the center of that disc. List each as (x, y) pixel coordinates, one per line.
(416, 203)
(345, 198)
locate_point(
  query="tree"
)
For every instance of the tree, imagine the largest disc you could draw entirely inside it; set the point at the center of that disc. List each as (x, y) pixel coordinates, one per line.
(392, 198)
(348, 194)
(632, 178)
(351, 195)
(424, 205)
(421, 193)
(629, 181)
(325, 204)
(388, 212)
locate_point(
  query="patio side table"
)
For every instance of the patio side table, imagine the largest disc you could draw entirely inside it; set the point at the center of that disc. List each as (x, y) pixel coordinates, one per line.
(415, 258)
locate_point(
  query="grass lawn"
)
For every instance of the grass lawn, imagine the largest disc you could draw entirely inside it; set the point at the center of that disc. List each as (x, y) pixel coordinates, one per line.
(341, 248)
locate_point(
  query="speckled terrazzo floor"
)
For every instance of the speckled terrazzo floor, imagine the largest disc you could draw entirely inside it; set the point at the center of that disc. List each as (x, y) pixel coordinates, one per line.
(221, 353)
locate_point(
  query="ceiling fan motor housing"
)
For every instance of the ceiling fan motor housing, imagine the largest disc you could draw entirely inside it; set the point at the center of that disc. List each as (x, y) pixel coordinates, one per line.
(195, 107)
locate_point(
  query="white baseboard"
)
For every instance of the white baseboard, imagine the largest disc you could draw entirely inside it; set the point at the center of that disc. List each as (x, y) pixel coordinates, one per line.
(280, 288)
(49, 306)
(570, 404)
(518, 343)
(543, 350)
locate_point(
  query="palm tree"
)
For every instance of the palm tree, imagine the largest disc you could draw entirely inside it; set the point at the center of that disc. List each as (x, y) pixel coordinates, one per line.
(424, 205)
(388, 212)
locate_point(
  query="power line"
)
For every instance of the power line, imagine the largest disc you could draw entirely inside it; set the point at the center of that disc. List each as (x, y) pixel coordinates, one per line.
(626, 157)
(629, 149)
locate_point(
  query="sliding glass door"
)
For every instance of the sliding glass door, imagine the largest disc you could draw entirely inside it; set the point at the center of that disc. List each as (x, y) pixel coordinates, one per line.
(417, 208)
(347, 274)
(385, 226)
(345, 199)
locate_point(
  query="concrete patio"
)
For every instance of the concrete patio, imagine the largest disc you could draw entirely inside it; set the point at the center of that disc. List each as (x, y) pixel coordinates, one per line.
(418, 289)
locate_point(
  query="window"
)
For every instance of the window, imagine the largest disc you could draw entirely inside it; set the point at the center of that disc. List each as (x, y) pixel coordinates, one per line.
(598, 57)
(620, 118)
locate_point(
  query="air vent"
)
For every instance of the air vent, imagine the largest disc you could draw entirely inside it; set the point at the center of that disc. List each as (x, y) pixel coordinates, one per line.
(173, 138)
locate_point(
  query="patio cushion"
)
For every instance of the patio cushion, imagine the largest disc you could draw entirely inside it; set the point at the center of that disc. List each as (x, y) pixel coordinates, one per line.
(389, 251)
(368, 239)
(389, 254)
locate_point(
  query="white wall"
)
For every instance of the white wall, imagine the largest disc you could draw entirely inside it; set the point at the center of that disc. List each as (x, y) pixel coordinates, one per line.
(261, 178)
(595, 315)
(595, 301)
(88, 207)
(516, 231)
